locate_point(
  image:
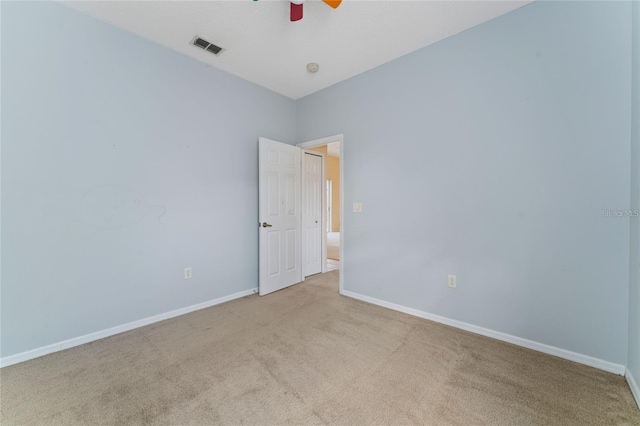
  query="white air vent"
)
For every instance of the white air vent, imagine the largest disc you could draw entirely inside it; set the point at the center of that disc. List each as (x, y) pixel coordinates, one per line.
(208, 46)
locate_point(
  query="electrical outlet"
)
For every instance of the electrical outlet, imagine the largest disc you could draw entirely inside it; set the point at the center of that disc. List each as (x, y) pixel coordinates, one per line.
(187, 273)
(452, 281)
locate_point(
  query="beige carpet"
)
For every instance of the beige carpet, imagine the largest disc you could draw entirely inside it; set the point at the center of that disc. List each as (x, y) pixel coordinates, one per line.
(306, 355)
(333, 245)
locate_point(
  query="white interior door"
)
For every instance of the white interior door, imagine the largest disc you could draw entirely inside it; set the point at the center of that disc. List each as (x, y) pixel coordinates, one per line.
(279, 214)
(312, 197)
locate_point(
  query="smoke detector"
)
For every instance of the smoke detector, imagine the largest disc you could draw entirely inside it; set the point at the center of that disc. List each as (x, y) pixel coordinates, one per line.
(312, 67)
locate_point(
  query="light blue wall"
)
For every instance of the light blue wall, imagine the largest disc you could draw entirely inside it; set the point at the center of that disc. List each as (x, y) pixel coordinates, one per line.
(490, 155)
(634, 281)
(122, 163)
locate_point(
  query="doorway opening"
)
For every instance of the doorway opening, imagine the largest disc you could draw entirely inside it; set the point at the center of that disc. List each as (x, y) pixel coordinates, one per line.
(291, 221)
(332, 149)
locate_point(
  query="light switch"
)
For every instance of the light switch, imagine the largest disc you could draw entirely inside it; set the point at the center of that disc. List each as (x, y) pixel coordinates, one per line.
(357, 207)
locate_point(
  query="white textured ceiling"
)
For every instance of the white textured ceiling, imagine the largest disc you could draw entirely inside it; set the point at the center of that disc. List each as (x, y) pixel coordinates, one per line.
(264, 47)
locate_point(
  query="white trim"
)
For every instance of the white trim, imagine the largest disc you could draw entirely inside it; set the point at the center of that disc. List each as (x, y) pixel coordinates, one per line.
(343, 207)
(324, 141)
(633, 385)
(77, 341)
(536, 346)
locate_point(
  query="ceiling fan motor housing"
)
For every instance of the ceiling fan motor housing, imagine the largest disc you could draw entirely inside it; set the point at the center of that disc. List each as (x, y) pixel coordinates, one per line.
(296, 10)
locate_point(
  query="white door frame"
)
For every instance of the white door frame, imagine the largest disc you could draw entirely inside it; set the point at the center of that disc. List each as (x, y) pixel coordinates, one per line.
(323, 209)
(329, 200)
(324, 141)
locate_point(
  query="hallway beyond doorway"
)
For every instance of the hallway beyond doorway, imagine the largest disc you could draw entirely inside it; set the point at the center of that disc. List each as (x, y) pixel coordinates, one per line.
(333, 251)
(333, 245)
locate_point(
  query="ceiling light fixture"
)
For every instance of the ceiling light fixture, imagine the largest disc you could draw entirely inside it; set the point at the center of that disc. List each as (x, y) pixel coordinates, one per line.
(312, 67)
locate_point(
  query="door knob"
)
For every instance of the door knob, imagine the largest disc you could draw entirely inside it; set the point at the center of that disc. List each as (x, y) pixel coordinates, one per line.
(266, 225)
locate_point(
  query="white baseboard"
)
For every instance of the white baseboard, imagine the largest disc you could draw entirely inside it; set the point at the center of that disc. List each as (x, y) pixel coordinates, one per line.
(635, 390)
(77, 341)
(541, 347)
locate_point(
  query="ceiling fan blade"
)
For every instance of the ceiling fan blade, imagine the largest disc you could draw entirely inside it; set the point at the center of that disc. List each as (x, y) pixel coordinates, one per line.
(296, 12)
(333, 3)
